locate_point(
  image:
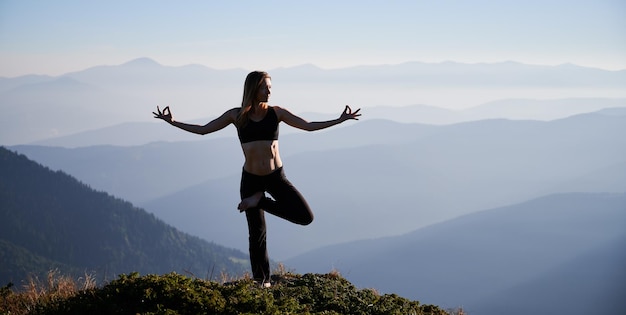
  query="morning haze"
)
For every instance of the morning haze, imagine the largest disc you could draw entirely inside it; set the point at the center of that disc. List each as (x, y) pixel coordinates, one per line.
(42, 107)
(486, 172)
(433, 164)
(416, 179)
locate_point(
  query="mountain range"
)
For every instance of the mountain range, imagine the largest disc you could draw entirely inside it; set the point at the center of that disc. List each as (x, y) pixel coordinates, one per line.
(139, 133)
(535, 257)
(38, 108)
(395, 176)
(49, 220)
(499, 188)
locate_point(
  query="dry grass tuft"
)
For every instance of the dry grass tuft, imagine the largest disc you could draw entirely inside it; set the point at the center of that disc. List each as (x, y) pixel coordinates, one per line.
(36, 291)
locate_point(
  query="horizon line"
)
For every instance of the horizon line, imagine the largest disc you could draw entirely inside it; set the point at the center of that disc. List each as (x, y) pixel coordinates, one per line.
(310, 64)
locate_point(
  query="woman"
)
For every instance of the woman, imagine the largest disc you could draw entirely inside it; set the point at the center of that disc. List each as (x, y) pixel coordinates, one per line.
(257, 128)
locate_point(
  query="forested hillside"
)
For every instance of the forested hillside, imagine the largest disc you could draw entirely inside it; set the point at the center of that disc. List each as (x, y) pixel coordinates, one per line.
(50, 220)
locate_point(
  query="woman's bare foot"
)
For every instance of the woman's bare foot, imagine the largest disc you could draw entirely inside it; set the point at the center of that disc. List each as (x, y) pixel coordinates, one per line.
(250, 202)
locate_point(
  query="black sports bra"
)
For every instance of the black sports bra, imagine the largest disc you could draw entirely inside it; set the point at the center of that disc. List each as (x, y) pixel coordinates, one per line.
(266, 129)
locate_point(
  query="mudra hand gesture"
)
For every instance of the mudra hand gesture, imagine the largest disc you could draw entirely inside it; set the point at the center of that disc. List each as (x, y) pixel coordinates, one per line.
(348, 114)
(165, 114)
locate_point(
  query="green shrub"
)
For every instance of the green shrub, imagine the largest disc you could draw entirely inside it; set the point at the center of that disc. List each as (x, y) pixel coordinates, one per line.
(176, 294)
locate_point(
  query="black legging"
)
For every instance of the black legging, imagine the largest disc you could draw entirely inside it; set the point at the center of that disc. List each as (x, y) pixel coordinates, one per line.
(288, 204)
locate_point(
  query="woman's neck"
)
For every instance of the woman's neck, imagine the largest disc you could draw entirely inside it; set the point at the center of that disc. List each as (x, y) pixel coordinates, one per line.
(260, 107)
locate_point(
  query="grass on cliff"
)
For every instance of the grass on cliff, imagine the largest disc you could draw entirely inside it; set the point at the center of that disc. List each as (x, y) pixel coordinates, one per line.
(177, 294)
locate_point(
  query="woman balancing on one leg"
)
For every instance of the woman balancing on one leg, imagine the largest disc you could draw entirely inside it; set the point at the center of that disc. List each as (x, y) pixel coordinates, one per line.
(257, 127)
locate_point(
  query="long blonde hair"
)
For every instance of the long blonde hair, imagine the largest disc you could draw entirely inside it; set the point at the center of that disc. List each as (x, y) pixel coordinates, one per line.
(250, 92)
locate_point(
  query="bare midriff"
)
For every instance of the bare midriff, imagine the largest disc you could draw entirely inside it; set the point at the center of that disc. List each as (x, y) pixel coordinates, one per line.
(262, 157)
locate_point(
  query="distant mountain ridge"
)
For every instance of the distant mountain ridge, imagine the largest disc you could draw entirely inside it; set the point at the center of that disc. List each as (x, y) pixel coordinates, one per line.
(420, 173)
(50, 220)
(395, 200)
(43, 107)
(127, 134)
(532, 257)
(508, 73)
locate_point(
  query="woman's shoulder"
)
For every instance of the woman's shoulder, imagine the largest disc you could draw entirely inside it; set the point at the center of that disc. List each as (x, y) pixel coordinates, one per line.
(277, 109)
(231, 114)
(234, 110)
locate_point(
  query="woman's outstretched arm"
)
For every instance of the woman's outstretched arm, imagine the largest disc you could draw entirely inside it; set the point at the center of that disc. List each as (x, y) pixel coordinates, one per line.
(297, 122)
(216, 124)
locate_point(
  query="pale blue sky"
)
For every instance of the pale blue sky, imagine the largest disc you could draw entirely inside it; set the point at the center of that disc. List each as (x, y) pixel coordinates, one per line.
(55, 37)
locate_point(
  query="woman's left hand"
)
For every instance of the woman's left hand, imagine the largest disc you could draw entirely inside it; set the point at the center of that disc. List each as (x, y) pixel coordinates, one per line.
(349, 114)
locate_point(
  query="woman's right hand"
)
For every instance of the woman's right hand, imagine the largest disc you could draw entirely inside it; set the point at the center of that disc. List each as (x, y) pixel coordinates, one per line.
(349, 114)
(166, 114)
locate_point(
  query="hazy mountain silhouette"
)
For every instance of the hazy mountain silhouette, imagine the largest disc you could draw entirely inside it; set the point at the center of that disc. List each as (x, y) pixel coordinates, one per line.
(127, 134)
(398, 177)
(7, 84)
(539, 255)
(461, 74)
(597, 278)
(530, 109)
(138, 174)
(50, 220)
(364, 181)
(439, 175)
(58, 107)
(41, 107)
